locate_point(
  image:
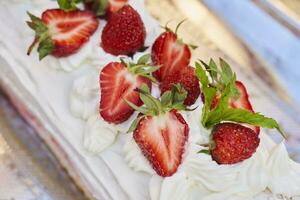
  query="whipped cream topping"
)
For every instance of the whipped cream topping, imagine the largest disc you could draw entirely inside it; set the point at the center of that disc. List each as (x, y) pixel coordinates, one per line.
(134, 156)
(121, 168)
(98, 135)
(284, 173)
(84, 98)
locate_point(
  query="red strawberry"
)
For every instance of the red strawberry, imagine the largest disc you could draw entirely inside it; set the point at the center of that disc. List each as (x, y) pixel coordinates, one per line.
(186, 77)
(162, 140)
(172, 54)
(242, 102)
(112, 6)
(160, 131)
(62, 33)
(118, 81)
(233, 143)
(124, 33)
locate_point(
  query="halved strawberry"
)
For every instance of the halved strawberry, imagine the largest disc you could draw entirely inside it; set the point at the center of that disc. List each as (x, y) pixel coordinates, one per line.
(171, 53)
(62, 33)
(161, 132)
(118, 82)
(241, 102)
(162, 140)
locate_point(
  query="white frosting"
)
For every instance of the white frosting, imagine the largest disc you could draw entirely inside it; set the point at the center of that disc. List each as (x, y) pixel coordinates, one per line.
(120, 171)
(134, 157)
(283, 172)
(98, 135)
(84, 98)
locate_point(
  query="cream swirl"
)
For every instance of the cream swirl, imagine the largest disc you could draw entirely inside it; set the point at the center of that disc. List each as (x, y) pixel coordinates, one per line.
(98, 135)
(134, 157)
(244, 179)
(176, 187)
(284, 173)
(72, 62)
(84, 96)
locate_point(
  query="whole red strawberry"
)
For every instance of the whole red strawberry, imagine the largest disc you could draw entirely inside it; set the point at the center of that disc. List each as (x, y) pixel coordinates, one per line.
(186, 77)
(118, 81)
(160, 131)
(61, 33)
(124, 33)
(233, 143)
(170, 53)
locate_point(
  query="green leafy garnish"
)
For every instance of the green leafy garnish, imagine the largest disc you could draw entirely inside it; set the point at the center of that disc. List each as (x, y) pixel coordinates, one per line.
(68, 5)
(42, 37)
(98, 7)
(221, 82)
(143, 67)
(170, 100)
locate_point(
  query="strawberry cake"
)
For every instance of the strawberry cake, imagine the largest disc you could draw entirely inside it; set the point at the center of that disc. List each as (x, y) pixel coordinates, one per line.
(118, 100)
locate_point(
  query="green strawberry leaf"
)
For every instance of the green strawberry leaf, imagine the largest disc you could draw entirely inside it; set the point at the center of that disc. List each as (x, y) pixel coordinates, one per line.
(42, 37)
(144, 59)
(142, 68)
(223, 83)
(166, 99)
(243, 116)
(134, 124)
(152, 106)
(179, 94)
(45, 47)
(68, 5)
(205, 151)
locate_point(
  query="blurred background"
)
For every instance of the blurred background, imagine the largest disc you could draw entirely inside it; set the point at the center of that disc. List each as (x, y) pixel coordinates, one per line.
(260, 38)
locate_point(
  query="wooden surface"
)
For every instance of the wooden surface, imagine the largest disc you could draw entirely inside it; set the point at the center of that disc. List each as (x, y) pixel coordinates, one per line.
(28, 169)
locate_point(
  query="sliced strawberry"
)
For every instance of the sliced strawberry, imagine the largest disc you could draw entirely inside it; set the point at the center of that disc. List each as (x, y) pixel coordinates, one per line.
(242, 102)
(62, 33)
(162, 140)
(170, 53)
(117, 85)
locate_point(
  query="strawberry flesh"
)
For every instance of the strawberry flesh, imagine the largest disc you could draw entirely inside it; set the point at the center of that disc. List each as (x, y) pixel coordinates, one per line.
(114, 6)
(69, 30)
(118, 85)
(162, 140)
(233, 143)
(170, 53)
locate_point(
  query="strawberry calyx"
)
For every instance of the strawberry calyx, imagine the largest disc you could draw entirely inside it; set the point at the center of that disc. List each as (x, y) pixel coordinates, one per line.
(170, 100)
(221, 81)
(179, 40)
(68, 5)
(99, 7)
(42, 37)
(143, 67)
